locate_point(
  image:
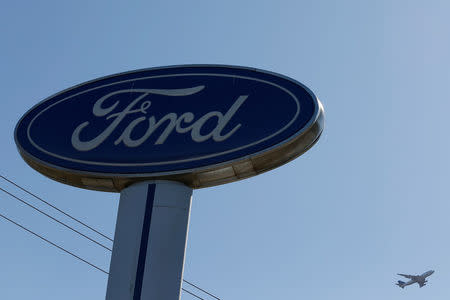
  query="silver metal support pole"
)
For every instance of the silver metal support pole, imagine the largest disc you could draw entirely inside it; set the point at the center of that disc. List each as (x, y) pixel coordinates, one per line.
(150, 242)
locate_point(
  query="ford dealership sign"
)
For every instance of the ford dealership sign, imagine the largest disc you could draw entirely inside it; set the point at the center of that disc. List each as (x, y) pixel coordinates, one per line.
(199, 124)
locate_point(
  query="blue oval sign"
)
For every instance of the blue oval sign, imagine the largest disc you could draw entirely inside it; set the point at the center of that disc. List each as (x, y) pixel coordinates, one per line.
(164, 121)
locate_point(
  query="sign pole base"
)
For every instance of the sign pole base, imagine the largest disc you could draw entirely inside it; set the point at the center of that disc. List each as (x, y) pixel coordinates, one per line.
(150, 242)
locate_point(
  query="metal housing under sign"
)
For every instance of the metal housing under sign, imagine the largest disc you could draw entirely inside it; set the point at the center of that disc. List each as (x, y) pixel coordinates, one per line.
(202, 125)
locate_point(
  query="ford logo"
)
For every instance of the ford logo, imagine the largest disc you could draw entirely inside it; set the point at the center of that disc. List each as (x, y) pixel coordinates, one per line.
(199, 124)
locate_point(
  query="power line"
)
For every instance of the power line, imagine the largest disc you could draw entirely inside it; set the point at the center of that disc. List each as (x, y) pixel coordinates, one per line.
(201, 289)
(53, 244)
(54, 207)
(54, 219)
(74, 255)
(196, 296)
(73, 218)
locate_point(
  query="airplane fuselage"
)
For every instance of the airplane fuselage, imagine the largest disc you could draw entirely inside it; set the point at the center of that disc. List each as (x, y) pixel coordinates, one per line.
(419, 279)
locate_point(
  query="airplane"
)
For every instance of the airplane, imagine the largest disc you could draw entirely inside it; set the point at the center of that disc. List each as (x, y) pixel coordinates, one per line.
(419, 279)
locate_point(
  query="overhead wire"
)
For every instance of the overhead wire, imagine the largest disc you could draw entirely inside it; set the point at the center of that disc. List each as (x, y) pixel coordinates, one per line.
(54, 207)
(71, 253)
(53, 244)
(69, 227)
(190, 293)
(54, 219)
(199, 288)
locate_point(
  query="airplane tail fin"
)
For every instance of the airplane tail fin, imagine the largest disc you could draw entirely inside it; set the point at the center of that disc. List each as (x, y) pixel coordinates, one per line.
(401, 284)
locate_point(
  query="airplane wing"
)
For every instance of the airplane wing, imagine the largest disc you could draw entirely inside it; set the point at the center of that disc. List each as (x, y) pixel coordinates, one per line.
(407, 276)
(421, 283)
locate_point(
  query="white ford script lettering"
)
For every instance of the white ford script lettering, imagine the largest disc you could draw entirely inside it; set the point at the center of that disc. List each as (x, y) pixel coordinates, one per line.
(181, 124)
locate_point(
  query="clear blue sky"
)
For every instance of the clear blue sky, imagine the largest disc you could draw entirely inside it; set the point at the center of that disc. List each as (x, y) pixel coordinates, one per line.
(371, 199)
